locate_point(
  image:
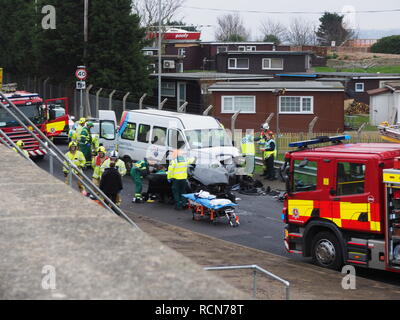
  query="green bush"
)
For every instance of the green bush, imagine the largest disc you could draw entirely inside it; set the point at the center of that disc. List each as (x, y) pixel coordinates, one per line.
(387, 45)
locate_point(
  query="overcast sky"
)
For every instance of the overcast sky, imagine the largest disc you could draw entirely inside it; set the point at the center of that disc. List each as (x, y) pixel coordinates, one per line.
(252, 20)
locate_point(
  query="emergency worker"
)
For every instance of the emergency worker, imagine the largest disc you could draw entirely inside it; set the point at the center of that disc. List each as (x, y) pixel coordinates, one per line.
(138, 171)
(20, 144)
(119, 165)
(177, 175)
(85, 143)
(78, 159)
(269, 155)
(249, 152)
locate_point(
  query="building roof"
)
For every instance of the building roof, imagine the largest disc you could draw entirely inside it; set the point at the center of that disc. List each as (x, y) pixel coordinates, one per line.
(360, 75)
(378, 91)
(263, 52)
(343, 75)
(272, 85)
(213, 76)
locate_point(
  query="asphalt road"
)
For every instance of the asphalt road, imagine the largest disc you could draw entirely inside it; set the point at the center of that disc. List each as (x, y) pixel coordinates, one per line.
(260, 221)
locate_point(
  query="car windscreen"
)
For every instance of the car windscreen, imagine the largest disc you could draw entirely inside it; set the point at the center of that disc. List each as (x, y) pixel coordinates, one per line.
(208, 138)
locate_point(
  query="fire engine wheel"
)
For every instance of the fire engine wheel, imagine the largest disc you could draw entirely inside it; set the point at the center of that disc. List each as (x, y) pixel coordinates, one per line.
(326, 251)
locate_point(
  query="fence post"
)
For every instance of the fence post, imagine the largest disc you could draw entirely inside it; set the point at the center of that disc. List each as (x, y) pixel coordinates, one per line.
(97, 102)
(124, 101)
(205, 113)
(182, 108)
(141, 101)
(44, 87)
(271, 115)
(88, 108)
(311, 127)
(359, 131)
(161, 106)
(233, 125)
(110, 99)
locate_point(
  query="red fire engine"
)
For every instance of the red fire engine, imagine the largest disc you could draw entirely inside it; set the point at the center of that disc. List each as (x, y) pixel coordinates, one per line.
(342, 204)
(50, 116)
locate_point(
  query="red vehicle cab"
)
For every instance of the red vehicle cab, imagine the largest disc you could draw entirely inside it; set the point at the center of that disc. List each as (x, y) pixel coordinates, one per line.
(335, 208)
(42, 115)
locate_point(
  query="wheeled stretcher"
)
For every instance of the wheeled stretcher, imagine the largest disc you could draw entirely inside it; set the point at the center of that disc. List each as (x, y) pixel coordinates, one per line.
(206, 208)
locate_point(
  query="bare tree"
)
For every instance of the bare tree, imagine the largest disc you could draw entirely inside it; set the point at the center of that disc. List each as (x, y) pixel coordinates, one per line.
(301, 32)
(231, 28)
(273, 30)
(148, 10)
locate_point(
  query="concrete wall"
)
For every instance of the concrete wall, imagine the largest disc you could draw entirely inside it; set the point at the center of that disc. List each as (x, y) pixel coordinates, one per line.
(96, 255)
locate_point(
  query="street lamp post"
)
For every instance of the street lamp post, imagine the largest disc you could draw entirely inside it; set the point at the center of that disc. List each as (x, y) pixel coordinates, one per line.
(159, 52)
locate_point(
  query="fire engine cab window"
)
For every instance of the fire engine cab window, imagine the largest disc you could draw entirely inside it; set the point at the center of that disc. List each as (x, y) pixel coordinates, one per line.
(305, 176)
(350, 178)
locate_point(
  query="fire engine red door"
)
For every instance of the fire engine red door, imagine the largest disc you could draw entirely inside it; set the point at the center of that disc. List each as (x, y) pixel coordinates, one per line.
(57, 115)
(351, 199)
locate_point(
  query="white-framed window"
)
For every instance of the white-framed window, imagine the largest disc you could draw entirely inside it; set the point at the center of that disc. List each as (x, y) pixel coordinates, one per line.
(168, 89)
(251, 48)
(359, 87)
(222, 49)
(272, 64)
(181, 51)
(288, 104)
(233, 104)
(242, 48)
(148, 53)
(238, 63)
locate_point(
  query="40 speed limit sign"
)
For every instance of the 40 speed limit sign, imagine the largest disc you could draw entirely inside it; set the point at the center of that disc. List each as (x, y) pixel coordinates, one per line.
(81, 74)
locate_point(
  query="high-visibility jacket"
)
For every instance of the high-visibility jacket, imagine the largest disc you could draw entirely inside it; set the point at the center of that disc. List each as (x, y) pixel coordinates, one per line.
(178, 168)
(95, 143)
(120, 165)
(248, 147)
(267, 152)
(78, 132)
(96, 165)
(26, 153)
(141, 165)
(76, 158)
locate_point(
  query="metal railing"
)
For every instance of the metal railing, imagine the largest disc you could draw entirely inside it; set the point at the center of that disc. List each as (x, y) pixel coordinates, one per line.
(255, 268)
(56, 153)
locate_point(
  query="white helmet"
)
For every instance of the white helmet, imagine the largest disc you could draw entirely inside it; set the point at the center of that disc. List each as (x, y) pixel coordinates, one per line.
(114, 154)
(265, 126)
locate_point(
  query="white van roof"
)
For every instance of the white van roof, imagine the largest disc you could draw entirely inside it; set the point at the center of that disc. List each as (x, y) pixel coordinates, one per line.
(189, 121)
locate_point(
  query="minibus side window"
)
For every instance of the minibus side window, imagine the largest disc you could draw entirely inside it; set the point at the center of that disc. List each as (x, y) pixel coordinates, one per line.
(129, 132)
(159, 135)
(174, 137)
(144, 133)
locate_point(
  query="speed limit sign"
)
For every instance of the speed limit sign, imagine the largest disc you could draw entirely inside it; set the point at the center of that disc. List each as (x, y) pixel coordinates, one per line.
(81, 73)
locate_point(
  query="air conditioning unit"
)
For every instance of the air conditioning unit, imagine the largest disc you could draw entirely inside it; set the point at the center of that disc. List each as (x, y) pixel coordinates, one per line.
(169, 64)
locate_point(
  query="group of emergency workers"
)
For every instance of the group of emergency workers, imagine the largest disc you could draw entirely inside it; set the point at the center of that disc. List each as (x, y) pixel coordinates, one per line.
(267, 146)
(85, 151)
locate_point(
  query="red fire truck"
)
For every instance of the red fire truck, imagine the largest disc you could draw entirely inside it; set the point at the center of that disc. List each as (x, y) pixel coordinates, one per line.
(342, 204)
(50, 116)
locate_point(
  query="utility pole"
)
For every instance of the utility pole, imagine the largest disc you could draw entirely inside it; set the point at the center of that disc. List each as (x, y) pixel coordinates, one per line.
(85, 30)
(159, 52)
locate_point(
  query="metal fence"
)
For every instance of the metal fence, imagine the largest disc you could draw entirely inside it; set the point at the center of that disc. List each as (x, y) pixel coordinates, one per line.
(256, 268)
